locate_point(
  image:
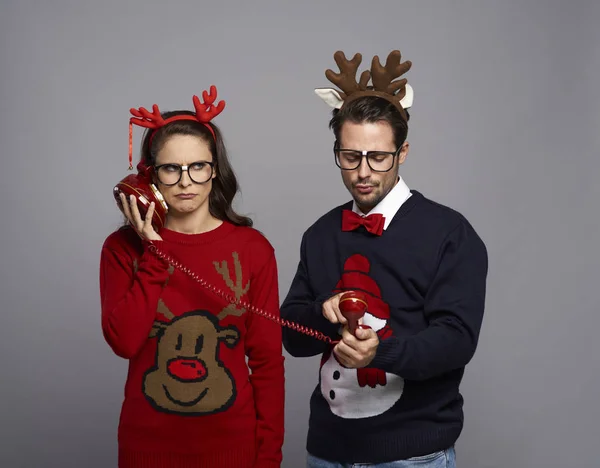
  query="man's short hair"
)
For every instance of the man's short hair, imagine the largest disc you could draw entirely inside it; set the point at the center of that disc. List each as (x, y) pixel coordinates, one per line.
(370, 109)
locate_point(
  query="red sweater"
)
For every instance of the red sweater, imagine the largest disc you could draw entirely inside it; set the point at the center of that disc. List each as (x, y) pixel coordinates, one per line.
(190, 398)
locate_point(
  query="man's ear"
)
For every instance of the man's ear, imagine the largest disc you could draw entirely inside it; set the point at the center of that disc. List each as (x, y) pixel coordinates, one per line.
(403, 152)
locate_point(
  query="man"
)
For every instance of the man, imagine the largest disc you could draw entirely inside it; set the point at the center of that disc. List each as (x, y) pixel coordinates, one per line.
(388, 395)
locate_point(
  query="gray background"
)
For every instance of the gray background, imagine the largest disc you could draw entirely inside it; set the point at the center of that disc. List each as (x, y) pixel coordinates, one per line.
(504, 128)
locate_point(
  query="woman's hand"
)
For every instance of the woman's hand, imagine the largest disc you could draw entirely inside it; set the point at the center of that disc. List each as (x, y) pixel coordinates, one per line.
(142, 226)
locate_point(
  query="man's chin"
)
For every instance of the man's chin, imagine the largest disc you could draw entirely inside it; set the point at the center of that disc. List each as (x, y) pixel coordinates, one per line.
(365, 202)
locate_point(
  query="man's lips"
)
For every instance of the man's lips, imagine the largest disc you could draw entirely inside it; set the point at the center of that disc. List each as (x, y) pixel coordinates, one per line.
(364, 189)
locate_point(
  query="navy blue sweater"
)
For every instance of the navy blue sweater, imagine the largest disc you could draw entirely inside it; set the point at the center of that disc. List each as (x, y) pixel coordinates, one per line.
(425, 277)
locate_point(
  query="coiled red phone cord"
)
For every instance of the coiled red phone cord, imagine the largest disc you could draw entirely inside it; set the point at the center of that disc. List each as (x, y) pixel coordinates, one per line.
(285, 323)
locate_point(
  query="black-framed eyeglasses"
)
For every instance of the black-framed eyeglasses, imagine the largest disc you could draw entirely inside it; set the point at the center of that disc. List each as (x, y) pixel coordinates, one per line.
(199, 172)
(378, 161)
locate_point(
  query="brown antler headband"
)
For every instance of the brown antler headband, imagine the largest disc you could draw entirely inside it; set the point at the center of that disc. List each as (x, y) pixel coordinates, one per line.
(382, 77)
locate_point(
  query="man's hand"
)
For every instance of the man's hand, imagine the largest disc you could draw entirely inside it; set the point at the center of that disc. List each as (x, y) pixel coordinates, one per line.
(357, 351)
(331, 309)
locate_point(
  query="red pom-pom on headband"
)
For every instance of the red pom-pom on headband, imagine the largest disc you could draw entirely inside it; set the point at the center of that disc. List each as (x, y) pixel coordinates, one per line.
(205, 112)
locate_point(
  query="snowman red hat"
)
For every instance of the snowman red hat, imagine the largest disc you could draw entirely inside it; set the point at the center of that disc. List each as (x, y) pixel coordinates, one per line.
(355, 277)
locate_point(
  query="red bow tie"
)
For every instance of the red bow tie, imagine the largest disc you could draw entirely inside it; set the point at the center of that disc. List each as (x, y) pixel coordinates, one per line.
(372, 223)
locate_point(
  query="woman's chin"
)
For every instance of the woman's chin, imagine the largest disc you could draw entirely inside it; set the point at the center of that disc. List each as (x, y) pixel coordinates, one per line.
(183, 207)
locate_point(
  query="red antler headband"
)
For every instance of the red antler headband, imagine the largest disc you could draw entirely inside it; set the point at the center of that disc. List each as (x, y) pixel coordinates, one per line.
(205, 112)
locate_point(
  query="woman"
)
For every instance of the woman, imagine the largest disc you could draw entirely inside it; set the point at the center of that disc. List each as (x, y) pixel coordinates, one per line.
(205, 386)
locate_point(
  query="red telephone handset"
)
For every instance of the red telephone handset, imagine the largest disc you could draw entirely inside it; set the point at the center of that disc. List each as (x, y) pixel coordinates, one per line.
(353, 306)
(141, 186)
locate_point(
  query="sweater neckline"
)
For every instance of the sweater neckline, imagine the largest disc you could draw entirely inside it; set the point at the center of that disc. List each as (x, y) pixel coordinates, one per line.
(404, 208)
(409, 204)
(219, 232)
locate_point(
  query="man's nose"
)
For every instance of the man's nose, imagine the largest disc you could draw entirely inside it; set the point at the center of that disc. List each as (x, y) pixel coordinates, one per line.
(364, 170)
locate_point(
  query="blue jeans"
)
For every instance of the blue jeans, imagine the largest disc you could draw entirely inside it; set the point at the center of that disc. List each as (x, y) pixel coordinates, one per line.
(442, 459)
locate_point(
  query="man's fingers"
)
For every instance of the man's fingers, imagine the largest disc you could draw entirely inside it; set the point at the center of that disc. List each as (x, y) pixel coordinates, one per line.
(335, 305)
(346, 352)
(331, 310)
(351, 342)
(348, 337)
(340, 316)
(362, 342)
(364, 334)
(340, 355)
(329, 313)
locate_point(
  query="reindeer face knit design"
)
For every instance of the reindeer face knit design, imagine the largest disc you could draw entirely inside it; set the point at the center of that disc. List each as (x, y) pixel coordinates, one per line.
(190, 396)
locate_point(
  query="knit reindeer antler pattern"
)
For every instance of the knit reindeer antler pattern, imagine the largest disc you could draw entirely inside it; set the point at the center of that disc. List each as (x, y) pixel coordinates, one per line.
(382, 78)
(205, 112)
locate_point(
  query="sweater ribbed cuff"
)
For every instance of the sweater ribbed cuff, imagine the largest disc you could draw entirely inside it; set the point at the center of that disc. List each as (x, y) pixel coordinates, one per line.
(386, 354)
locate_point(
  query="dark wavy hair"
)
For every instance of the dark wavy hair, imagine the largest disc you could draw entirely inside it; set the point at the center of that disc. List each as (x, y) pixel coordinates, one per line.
(224, 186)
(370, 109)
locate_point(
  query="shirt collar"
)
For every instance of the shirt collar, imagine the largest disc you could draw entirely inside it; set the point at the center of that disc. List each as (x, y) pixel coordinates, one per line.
(390, 204)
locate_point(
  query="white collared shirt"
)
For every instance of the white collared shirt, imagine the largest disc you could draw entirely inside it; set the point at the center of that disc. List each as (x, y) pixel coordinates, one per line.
(391, 203)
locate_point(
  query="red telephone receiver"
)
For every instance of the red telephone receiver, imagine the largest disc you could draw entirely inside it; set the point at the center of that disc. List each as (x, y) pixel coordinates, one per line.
(141, 186)
(353, 306)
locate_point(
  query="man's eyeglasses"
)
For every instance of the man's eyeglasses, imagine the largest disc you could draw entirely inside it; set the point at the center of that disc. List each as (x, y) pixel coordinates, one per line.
(378, 161)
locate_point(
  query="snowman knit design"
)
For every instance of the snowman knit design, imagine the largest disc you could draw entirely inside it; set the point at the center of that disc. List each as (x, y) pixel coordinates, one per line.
(368, 391)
